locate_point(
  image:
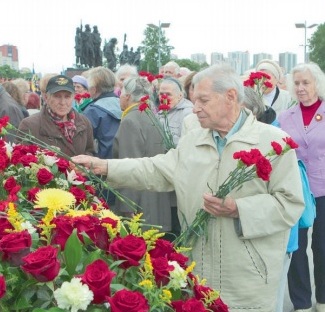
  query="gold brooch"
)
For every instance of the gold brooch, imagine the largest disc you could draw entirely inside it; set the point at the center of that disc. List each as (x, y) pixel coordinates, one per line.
(318, 117)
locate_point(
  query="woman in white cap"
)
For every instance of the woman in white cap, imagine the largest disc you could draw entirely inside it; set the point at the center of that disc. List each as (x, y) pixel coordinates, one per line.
(280, 100)
(82, 97)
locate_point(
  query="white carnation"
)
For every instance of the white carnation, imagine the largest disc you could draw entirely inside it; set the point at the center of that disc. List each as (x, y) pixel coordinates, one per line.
(72, 176)
(49, 160)
(74, 295)
(29, 227)
(177, 276)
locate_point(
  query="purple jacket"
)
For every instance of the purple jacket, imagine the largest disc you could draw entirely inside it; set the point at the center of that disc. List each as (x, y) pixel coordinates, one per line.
(311, 143)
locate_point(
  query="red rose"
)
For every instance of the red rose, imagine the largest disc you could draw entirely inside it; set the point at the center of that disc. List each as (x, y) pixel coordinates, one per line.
(31, 193)
(44, 176)
(5, 225)
(15, 246)
(62, 231)
(10, 184)
(42, 264)
(201, 291)
(163, 248)
(91, 190)
(218, 306)
(130, 248)
(181, 259)
(63, 165)
(85, 224)
(191, 305)
(127, 300)
(2, 286)
(101, 238)
(79, 194)
(161, 270)
(26, 160)
(98, 277)
(4, 160)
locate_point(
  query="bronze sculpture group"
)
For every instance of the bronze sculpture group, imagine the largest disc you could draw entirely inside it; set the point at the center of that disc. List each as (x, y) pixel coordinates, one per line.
(89, 54)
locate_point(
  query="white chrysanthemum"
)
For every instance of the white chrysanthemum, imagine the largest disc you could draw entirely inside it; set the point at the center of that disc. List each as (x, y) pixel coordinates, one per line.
(74, 295)
(72, 176)
(177, 276)
(29, 227)
(49, 160)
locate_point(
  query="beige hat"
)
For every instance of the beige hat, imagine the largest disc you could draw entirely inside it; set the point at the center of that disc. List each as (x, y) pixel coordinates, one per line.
(270, 66)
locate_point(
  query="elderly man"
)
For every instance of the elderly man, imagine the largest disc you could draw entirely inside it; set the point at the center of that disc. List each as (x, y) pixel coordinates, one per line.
(248, 233)
(172, 69)
(57, 123)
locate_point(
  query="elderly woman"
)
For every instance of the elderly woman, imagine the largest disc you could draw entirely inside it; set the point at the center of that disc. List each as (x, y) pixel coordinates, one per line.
(104, 110)
(305, 122)
(138, 137)
(57, 123)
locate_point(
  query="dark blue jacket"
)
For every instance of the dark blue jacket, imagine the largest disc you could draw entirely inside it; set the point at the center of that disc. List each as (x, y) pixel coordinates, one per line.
(104, 114)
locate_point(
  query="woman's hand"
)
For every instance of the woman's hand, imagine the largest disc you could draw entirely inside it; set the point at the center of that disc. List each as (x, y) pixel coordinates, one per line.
(94, 164)
(226, 207)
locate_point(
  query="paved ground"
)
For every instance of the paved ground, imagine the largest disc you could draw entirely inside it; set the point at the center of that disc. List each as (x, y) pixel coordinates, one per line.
(288, 307)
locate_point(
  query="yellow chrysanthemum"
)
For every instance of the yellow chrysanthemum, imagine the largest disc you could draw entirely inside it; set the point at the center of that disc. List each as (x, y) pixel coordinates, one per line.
(54, 199)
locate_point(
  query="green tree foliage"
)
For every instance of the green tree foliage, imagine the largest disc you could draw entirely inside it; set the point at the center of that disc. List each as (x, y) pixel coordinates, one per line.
(7, 72)
(317, 46)
(150, 50)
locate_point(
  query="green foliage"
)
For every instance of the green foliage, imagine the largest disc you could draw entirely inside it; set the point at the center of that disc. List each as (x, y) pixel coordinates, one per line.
(150, 50)
(317, 46)
(191, 65)
(7, 72)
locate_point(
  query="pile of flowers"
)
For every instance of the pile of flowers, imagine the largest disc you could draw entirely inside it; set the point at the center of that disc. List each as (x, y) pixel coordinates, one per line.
(62, 249)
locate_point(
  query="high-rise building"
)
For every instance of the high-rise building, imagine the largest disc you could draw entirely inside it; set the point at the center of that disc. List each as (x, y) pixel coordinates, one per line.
(239, 61)
(9, 56)
(287, 60)
(261, 56)
(216, 57)
(199, 58)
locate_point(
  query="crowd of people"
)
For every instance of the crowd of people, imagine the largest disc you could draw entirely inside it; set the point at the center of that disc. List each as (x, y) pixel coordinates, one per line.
(254, 245)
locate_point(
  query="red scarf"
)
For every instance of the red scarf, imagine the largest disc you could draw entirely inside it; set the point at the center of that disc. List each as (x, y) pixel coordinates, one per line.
(68, 128)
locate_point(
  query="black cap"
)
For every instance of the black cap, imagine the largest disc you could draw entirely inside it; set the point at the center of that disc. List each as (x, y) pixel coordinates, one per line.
(60, 83)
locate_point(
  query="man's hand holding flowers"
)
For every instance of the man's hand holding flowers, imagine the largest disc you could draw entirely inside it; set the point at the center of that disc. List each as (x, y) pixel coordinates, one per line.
(220, 207)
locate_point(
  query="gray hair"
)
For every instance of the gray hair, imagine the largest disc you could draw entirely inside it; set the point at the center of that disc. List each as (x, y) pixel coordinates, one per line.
(126, 69)
(137, 87)
(103, 79)
(253, 102)
(316, 73)
(223, 78)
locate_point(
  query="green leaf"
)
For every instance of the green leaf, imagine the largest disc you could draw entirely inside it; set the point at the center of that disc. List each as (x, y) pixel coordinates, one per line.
(54, 309)
(72, 253)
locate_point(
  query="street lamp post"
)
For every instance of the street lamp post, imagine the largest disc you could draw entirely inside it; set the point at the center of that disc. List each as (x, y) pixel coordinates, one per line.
(304, 25)
(159, 27)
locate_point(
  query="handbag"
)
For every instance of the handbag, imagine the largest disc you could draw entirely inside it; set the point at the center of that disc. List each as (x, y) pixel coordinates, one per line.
(309, 214)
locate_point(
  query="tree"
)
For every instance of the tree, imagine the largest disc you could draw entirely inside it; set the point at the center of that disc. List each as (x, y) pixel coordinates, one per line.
(151, 49)
(317, 46)
(7, 72)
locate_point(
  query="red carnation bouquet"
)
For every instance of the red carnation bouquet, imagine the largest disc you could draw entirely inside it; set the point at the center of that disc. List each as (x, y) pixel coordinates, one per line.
(259, 81)
(160, 123)
(251, 165)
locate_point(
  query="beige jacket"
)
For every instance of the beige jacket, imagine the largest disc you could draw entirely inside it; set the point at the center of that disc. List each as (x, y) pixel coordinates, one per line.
(245, 266)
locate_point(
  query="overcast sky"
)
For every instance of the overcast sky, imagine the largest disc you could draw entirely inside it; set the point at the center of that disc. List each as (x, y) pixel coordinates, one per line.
(44, 30)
